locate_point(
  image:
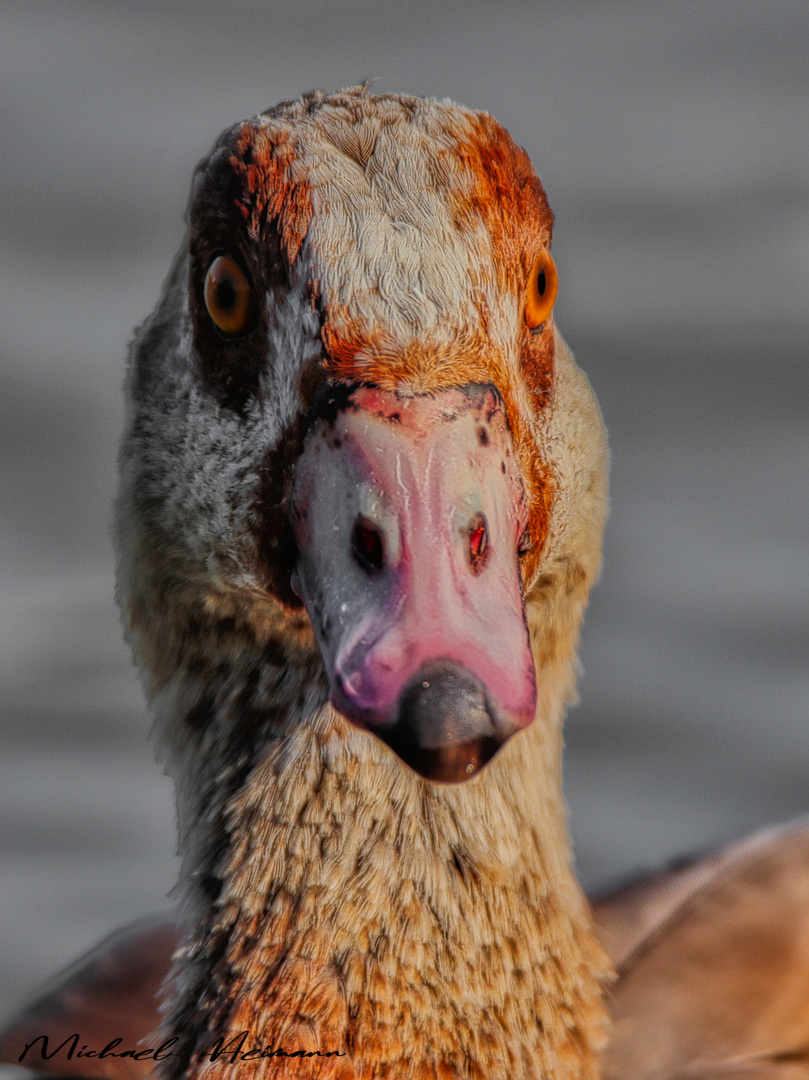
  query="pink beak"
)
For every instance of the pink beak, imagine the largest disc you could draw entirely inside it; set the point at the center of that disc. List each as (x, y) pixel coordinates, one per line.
(407, 512)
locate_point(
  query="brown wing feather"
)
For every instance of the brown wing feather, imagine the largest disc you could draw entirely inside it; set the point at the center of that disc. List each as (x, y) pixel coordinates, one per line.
(715, 977)
(110, 993)
(627, 916)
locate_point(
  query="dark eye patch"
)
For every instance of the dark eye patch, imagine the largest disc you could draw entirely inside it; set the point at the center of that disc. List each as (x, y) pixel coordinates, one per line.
(231, 358)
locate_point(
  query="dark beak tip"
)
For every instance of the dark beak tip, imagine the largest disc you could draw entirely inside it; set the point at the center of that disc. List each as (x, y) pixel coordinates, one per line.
(445, 729)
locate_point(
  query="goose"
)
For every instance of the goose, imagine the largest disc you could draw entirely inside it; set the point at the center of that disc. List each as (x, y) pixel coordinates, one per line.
(363, 489)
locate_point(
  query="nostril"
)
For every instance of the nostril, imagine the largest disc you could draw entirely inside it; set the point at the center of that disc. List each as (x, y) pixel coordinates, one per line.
(368, 545)
(478, 542)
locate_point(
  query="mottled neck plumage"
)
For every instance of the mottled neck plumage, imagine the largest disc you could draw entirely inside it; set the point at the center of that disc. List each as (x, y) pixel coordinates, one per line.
(337, 902)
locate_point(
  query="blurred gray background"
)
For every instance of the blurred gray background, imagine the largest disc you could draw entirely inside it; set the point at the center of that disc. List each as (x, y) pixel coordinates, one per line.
(673, 140)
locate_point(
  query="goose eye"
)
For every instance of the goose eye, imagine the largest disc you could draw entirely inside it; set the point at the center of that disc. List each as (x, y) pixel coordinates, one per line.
(229, 297)
(540, 293)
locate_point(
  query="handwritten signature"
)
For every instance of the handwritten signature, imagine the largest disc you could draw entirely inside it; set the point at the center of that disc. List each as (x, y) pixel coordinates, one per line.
(233, 1048)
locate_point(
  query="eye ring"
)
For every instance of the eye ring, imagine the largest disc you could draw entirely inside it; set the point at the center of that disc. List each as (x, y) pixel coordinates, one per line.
(230, 298)
(540, 292)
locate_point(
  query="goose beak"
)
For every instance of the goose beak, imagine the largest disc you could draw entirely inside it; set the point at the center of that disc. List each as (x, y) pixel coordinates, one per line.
(407, 512)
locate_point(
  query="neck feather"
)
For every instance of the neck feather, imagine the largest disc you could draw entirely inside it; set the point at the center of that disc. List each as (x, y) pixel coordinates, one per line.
(337, 902)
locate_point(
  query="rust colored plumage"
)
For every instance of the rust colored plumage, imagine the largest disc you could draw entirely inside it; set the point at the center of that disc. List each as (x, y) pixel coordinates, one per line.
(264, 163)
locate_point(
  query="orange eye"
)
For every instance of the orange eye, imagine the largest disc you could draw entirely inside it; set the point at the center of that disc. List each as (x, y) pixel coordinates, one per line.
(540, 293)
(229, 297)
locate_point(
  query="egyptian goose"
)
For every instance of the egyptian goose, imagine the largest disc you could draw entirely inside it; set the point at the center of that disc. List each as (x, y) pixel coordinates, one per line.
(363, 486)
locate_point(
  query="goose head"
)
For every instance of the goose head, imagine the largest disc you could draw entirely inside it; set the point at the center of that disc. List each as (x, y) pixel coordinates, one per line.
(362, 496)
